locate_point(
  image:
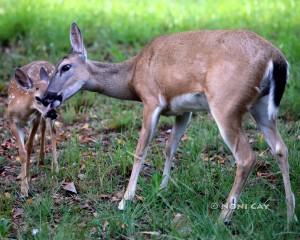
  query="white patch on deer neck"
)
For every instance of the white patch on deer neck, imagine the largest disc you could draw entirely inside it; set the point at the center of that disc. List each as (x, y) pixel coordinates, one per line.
(190, 102)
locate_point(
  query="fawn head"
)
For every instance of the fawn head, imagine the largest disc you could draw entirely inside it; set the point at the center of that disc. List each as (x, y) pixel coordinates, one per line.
(36, 89)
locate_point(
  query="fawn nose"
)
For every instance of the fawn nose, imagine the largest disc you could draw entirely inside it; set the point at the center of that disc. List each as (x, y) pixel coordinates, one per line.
(51, 97)
(51, 114)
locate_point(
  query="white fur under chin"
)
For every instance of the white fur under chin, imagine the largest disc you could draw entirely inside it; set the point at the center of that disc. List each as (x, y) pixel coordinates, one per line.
(56, 103)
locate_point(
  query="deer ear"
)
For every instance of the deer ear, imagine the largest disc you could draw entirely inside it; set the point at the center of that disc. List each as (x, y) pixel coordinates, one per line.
(76, 40)
(44, 75)
(22, 79)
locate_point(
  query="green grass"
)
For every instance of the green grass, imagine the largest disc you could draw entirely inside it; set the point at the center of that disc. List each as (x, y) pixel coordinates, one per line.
(100, 169)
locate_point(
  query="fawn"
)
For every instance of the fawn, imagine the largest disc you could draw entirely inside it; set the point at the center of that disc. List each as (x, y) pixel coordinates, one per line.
(226, 72)
(25, 89)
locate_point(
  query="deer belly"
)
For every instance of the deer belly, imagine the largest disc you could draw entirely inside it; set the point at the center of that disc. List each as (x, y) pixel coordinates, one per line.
(190, 102)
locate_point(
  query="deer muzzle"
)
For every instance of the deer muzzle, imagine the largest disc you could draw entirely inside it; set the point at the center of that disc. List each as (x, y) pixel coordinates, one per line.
(52, 98)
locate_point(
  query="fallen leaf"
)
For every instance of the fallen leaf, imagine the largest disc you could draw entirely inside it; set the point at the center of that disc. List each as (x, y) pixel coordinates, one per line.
(182, 224)
(119, 194)
(17, 212)
(121, 141)
(268, 176)
(114, 197)
(70, 187)
(139, 198)
(81, 176)
(85, 126)
(87, 206)
(96, 214)
(151, 233)
(104, 229)
(58, 199)
(87, 139)
(7, 195)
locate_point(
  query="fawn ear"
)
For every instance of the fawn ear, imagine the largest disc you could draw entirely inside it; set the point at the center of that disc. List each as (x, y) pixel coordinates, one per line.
(44, 75)
(77, 40)
(22, 79)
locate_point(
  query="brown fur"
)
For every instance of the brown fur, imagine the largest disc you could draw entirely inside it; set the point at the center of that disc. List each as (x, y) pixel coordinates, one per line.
(21, 108)
(224, 67)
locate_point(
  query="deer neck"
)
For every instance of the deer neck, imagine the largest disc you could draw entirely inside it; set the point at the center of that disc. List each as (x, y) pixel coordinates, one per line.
(112, 79)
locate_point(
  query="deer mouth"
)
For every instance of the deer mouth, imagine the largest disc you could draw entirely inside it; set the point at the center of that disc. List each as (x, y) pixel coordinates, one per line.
(51, 114)
(52, 98)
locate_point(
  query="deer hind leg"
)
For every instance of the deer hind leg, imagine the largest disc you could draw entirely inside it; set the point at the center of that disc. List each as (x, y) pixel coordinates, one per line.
(231, 131)
(42, 148)
(178, 130)
(54, 165)
(151, 116)
(279, 150)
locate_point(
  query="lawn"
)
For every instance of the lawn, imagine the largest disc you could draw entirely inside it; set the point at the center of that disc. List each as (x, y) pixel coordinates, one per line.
(97, 135)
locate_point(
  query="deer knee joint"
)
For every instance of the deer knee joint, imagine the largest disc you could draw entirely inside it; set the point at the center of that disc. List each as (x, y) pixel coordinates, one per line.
(247, 162)
(281, 151)
(23, 155)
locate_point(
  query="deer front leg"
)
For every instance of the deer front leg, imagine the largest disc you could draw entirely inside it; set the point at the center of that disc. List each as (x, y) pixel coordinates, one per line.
(42, 149)
(150, 119)
(54, 165)
(18, 133)
(178, 129)
(29, 145)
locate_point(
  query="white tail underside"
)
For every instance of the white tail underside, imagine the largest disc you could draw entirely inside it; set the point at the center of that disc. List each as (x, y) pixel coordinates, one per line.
(272, 109)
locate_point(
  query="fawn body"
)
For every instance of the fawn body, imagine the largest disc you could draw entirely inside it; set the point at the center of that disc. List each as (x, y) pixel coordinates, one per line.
(27, 86)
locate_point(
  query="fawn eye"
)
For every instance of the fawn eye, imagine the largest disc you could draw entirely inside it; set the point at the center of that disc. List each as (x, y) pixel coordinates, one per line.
(65, 68)
(36, 89)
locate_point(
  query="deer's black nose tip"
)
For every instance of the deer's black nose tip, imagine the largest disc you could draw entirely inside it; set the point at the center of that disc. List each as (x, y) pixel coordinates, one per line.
(50, 97)
(51, 114)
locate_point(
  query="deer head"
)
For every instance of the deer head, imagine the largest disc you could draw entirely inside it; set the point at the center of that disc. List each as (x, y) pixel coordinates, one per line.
(71, 72)
(36, 89)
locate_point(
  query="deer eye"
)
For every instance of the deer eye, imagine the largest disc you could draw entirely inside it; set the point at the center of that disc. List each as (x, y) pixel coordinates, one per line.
(65, 68)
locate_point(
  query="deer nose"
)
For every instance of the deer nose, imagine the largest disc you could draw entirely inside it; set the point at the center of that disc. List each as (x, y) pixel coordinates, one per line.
(51, 114)
(51, 97)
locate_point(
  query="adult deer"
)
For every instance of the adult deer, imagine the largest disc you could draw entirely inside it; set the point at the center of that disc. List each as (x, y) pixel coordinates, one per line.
(30, 82)
(228, 73)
